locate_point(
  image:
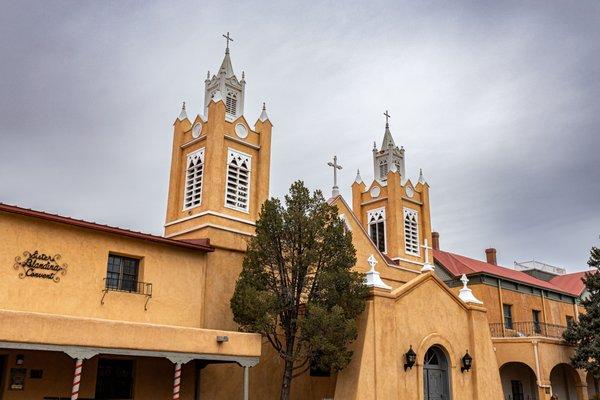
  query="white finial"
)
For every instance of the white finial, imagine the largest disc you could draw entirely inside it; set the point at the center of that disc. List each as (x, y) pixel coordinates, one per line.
(243, 75)
(427, 267)
(208, 75)
(374, 146)
(263, 115)
(372, 278)
(466, 294)
(421, 179)
(182, 114)
(335, 191)
(358, 179)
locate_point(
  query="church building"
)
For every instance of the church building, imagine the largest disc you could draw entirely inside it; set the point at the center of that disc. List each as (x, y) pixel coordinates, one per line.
(90, 311)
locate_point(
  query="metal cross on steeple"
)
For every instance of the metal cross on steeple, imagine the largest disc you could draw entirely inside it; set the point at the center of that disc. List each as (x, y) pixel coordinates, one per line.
(335, 166)
(387, 118)
(229, 39)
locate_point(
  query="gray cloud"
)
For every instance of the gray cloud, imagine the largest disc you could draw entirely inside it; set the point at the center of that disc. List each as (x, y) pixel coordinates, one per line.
(498, 102)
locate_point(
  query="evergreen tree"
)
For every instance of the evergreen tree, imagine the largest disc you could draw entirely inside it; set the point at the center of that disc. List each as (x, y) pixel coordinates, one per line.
(297, 287)
(585, 334)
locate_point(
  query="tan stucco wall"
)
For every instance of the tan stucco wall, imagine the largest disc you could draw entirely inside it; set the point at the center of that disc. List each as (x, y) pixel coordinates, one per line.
(177, 274)
(421, 313)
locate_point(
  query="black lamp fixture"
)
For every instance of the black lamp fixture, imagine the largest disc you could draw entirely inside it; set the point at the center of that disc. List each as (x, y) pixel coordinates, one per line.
(467, 362)
(20, 359)
(411, 358)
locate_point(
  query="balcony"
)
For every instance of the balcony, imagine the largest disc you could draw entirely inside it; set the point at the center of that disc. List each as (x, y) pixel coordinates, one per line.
(127, 286)
(527, 329)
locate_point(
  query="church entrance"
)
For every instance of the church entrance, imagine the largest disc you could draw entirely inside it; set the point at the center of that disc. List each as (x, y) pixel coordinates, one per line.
(435, 375)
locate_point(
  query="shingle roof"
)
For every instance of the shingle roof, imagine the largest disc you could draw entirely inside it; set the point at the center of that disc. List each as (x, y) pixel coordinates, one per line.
(458, 265)
(197, 244)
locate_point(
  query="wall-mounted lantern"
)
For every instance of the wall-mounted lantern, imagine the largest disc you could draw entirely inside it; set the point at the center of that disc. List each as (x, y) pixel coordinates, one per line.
(20, 359)
(467, 361)
(410, 357)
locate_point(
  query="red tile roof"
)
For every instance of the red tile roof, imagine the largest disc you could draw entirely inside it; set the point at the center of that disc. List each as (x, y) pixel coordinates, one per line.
(458, 265)
(571, 283)
(197, 244)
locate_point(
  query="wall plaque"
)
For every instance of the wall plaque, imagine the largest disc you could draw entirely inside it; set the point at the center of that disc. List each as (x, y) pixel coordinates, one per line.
(40, 265)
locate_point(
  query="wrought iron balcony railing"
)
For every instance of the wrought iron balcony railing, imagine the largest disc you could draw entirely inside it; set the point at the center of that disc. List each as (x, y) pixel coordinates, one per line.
(527, 329)
(128, 286)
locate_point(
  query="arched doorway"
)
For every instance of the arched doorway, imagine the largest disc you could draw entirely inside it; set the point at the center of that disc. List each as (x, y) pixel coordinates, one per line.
(564, 380)
(436, 375)
(518, 381)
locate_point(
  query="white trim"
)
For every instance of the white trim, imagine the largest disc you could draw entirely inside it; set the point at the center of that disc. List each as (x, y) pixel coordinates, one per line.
(366, 203)
(217, 214)
(200, 154)
(231, 155)
(408, 261)
(240, 141)
(408, 212)
(84, 350)
(225, 228)
(191, 142)
(378, 214)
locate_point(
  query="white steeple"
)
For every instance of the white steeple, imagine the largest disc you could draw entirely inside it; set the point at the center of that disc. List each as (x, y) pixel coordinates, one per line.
(389, 157)
(358, 178)
(263, 115)
(182, 114)
(232, 90)
(421, 178)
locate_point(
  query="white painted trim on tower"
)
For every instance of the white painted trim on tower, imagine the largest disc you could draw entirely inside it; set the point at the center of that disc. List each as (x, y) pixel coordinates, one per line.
(217, 214)
(366, 203)
(240, 141)
(191, 142)
(225, 228)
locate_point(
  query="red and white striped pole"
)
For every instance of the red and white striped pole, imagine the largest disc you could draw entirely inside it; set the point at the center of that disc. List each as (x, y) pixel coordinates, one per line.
(77, 379)
(177, 381)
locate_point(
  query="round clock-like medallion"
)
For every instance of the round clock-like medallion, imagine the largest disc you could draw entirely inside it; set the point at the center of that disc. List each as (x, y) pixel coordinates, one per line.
(196, 130)
(241, 131)
(375, 191)
(409, 191)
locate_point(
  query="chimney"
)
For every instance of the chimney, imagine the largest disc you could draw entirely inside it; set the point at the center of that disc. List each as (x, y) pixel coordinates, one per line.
(435, 238)
(490, 256)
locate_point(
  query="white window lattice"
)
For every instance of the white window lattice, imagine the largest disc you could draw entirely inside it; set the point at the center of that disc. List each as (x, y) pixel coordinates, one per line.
(411, 231)
(193, 179)
(376, 220)
(231, 103)
(238, 180)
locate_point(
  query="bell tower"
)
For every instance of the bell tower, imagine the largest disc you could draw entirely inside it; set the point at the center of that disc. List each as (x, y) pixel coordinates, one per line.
(220, 165)
(392, 209)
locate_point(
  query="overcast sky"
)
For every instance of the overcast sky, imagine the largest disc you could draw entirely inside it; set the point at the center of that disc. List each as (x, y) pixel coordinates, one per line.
(498, 102)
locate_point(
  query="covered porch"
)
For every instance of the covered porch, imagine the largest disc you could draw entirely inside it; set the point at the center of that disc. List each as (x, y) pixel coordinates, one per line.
(51, 357)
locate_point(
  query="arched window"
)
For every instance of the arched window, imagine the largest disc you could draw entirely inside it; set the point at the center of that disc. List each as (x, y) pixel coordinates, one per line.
(376, 219)
(238, 180)
(193, 179)
(231, 103)
(411, 231)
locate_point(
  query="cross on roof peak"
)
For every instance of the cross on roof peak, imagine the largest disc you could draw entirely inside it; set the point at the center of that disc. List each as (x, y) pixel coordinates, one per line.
(229, 39)
(387, 118)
